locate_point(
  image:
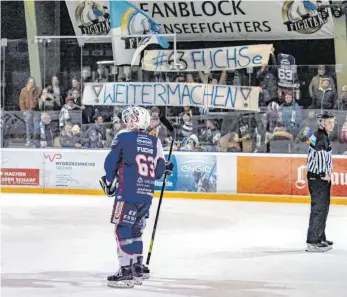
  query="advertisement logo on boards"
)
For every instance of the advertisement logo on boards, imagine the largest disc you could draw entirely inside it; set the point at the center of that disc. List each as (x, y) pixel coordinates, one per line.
(305, 17)
(52, 157)
(284, 176)
(92, 18)
(337, 178)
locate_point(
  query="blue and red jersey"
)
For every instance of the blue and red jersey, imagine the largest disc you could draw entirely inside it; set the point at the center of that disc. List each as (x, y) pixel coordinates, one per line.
(136, 159)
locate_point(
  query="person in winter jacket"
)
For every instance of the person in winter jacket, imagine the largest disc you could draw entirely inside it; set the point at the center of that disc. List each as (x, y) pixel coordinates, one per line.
(291, 114)
(68, 138)
(324, 97)
(43, 132)
(317, 81)
(70, 113)
(28, 103)
(47, 102)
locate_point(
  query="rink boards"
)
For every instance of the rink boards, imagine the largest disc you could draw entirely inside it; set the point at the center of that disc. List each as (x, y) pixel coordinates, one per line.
(220, 176)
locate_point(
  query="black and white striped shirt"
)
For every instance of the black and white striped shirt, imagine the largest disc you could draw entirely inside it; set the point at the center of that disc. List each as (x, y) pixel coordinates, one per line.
(319, 158)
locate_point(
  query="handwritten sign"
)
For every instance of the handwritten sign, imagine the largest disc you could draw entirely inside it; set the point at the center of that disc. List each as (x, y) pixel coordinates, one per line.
(222, 58)
(172, 94)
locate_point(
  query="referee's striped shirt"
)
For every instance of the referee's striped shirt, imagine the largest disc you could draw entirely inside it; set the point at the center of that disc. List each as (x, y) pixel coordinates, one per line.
(319, 158)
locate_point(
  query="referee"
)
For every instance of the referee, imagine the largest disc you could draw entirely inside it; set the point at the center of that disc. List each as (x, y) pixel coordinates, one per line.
(319, 169)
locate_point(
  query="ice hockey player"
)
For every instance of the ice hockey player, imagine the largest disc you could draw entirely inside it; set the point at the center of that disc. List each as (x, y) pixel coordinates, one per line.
(136, 159)
(319, 170)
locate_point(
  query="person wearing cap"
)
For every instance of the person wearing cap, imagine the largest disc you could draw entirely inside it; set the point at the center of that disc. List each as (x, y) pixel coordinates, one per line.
(319, 170)
(324, 97)
(317, 80)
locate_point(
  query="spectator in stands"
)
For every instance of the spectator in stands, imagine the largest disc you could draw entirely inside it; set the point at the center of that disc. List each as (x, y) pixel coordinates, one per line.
(29, 103)
(268, 81)
(190, 141)
(95, 136)
(86, 77)
(76, 95)
(307, 128)
(111, 133)
(324, 97)
(101, 74)
(43, 133)
(316, 81)
(47, 102)
(76, 85)
(68, 139)
(189, 110)
(210, 137)
(264, 97)
(281, 141)
(341, 103)
(156, 128)
(70, 112)
(58, 93)
(230, 143)
(291, 114)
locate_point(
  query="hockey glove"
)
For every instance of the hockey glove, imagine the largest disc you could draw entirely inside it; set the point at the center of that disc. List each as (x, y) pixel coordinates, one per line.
(109, 189)
(168, 168)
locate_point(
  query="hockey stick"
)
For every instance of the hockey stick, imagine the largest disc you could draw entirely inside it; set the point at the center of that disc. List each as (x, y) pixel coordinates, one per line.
(168, 125)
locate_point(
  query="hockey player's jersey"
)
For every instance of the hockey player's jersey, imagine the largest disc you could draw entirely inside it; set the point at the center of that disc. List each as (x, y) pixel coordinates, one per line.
(136, 159)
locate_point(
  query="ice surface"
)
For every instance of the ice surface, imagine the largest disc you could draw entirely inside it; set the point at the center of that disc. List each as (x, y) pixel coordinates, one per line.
(64, 246)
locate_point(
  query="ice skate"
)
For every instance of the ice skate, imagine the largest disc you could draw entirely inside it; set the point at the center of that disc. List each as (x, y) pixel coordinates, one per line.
(318, 247)
(123, 279)
(328, 242)
(138, 271)
(138, 274)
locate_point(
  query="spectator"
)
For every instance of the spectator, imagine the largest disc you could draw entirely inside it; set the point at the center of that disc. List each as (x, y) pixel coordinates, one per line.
(281, 141)
(86, 77)
(76, 95)
(76, 85)
(68, 138)
(47, 102)
(190, 141)
(324, 97)
(230, 143)
(291, 114)
(188, 110)
(210, 137)
(70, 112)
(341, 103)
(156, 128)
(57, 91)
(96, 133)
(28, 103)
(316, 81)
(268, 81)
(302, 140)
(101, 74)
(111, 133)
(43, 133)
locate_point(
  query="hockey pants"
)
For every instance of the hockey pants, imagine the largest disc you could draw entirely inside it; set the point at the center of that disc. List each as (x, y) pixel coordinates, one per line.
(129, 219)
(320, 203)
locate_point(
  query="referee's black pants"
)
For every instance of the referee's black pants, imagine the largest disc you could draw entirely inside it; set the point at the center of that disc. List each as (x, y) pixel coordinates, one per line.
(320, 203)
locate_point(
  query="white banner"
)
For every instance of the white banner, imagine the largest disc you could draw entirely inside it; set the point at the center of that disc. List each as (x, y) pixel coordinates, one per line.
(208, 59)
(210, 20)
(172, 94)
